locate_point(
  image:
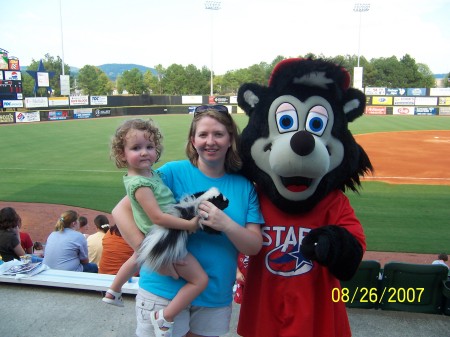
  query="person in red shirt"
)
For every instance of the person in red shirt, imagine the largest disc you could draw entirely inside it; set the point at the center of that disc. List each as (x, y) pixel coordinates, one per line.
(25, 241)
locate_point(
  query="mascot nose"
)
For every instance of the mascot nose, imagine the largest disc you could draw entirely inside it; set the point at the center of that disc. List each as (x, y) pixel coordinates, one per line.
(302, 143)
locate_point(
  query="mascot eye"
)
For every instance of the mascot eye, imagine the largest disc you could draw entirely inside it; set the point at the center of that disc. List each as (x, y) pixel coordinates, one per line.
(287, 120)
(317, 120)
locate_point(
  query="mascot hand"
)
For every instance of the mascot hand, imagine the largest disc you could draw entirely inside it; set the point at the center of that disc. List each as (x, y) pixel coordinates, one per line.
(316, 246)
(333, 247)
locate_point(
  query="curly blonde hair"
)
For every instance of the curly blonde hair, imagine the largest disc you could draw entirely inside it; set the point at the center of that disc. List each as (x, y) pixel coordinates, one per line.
(119, 138)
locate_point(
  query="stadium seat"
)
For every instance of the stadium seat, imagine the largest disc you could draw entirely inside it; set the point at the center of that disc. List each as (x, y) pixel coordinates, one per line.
(412, 287)
(446, 292)
(363, 285)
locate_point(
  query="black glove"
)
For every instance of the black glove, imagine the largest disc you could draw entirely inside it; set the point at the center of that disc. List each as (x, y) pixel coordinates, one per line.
(316, 247)
(333, 247)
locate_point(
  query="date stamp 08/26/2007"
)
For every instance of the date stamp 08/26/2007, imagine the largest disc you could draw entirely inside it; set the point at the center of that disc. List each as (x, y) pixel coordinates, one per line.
(375, 295)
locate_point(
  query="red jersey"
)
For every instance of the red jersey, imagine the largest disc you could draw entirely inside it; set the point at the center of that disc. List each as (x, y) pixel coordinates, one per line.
(287, 295)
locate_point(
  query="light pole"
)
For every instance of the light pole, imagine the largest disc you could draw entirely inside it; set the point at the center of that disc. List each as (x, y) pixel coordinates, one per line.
(214, 6)
(360, 8)
(358, 71)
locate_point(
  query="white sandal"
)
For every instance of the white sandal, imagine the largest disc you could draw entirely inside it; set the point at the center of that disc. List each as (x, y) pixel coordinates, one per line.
(160, 323)
(117, 299)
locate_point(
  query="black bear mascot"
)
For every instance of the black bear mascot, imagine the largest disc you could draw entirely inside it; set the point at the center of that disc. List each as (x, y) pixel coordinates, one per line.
(299, 152)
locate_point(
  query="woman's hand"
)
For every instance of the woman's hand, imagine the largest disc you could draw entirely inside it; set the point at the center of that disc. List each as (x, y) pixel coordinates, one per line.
(214, 217)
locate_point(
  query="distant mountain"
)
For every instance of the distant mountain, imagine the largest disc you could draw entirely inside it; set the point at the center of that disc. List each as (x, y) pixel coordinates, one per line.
(113, 70)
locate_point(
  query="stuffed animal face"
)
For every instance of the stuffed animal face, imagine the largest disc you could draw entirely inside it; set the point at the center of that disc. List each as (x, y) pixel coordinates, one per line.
(297, 146)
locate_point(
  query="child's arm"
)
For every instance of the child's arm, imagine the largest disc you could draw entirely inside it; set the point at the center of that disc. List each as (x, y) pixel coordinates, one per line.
(146, 198)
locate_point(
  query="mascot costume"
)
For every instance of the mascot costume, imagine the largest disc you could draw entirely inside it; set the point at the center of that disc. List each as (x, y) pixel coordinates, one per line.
(299, 152)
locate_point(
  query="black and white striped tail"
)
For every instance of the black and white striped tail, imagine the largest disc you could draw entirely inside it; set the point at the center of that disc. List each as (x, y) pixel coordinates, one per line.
(162, 246)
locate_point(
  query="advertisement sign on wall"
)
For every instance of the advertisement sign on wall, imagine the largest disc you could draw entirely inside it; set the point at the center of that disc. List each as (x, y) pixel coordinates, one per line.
(404, 100)
(102, 112)
(82, 113)
(375, 110)
(6, 117)
(375, 91)
(58, 101)
(426, 111)
(99, 100)
(58, 115)
(13, 104)
(416, 92)
(403, 110)
(79, 100)
(381, 100)
(426, 101)
(28, 117)
(36, 102)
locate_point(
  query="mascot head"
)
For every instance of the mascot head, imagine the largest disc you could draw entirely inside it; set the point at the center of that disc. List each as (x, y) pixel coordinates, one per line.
(297, 146)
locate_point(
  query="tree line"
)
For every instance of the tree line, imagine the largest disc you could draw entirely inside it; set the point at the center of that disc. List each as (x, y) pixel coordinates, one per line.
(176, 79)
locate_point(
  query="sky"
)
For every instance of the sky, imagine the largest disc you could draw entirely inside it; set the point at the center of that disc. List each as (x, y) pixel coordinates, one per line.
(241, 33)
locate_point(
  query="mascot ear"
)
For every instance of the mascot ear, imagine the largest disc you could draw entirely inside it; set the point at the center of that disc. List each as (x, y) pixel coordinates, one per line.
(249, 95)
(355, 103)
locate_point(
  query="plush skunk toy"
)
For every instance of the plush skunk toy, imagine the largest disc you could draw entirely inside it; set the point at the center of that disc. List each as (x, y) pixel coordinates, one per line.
(163, 246)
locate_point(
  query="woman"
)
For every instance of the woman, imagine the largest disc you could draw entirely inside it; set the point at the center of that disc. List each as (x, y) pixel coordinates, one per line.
(94, 241)
(10, 247)
(213, 161)
(115, 252)
(66, 248)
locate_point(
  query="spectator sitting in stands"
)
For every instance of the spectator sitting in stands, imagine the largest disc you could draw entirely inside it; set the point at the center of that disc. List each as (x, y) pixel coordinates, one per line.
(38, 249)
(83, 226)
(116, 252)
(442, 259)
(66, 248)
(25, 240)
(94, 241)
(10, 247)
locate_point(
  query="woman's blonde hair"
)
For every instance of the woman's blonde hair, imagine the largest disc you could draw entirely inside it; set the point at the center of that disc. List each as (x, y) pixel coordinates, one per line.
(233, 161)
(119, 138)
(65, 220)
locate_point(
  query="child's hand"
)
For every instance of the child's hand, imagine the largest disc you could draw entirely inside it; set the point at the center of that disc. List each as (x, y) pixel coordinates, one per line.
(193, 225)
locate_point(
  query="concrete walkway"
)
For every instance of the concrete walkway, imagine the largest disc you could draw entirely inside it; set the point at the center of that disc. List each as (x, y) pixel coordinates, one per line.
(30, 311)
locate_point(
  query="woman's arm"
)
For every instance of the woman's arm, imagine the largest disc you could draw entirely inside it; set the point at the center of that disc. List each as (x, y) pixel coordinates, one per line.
(18, 250)
(146, 198)
(123, 218)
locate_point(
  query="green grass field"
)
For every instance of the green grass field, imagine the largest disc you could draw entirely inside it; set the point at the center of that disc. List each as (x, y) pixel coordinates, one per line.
(67, 162)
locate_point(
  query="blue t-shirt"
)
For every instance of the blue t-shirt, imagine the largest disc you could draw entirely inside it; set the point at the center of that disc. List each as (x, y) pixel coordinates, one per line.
(216, 253)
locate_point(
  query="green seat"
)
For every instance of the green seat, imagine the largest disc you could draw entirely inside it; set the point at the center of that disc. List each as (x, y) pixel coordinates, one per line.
(412, 287)
(363, 286)
(446, 292)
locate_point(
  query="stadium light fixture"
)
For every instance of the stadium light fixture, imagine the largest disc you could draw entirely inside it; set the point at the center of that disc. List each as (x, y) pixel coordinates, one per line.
(360, 8)
(213, 6)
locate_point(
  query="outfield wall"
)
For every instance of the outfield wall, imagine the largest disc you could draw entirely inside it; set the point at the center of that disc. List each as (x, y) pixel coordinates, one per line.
(379, 101)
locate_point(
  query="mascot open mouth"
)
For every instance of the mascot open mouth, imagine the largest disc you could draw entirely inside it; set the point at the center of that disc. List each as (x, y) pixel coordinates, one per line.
(296, 184)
